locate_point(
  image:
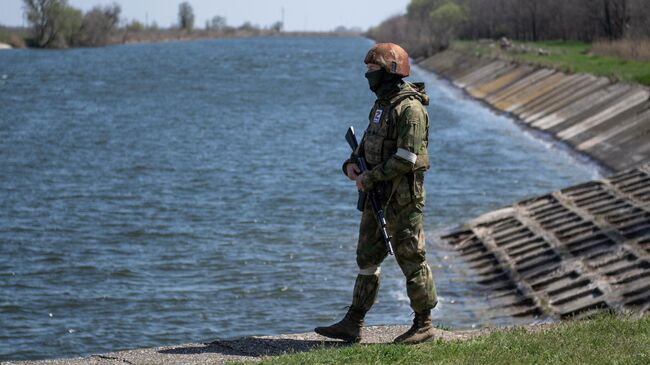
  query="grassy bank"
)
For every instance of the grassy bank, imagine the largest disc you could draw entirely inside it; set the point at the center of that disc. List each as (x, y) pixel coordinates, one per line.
(15, 37)
(607, 339)
(566, 56)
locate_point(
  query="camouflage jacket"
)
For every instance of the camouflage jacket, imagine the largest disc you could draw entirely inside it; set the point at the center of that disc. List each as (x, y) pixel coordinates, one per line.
(396, 140)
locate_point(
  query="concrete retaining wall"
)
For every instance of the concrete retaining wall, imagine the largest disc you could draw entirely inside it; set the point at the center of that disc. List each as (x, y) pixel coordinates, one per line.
(607, 121)
(568, 253)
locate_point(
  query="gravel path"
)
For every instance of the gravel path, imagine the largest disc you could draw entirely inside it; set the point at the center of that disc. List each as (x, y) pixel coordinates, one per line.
(243, 349)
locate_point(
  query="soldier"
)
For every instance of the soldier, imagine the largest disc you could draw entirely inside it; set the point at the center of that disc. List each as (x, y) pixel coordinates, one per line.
(395, 147)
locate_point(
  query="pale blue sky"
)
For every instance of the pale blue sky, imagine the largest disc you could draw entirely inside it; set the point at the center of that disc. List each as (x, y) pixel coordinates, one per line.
(299, 14)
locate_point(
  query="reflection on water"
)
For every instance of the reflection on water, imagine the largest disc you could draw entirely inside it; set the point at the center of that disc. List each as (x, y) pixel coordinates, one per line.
(168, 193)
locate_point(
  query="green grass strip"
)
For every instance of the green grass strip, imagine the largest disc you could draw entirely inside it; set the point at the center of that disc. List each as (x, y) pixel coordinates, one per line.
(570, 57)
(606, 339)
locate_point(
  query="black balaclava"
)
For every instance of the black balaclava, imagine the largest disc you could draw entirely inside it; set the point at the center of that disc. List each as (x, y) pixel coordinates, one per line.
(382, 82)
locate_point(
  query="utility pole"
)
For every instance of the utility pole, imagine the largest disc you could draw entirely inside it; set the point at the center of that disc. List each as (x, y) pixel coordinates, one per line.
(283, 25)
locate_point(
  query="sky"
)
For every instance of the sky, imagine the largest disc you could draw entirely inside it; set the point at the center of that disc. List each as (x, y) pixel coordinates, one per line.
(314, 15)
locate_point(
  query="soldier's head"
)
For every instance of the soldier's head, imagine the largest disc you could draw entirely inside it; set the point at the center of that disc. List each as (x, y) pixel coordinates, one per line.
(386, 62)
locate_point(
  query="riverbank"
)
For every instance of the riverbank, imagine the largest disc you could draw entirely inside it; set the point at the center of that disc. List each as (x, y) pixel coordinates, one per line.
(569, 253)
(604, 339)
(623, 60)
(20, 37)
(246, 349)
(179, 36)
(608, 121)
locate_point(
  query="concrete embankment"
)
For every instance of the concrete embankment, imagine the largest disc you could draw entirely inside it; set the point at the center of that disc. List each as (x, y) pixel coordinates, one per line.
(608, 121)
(569, 253)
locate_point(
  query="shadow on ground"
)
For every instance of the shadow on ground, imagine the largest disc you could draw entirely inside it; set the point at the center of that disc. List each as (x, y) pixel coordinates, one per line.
(254, 347)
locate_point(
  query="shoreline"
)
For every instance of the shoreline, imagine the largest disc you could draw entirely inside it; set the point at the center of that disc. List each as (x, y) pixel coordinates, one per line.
(257, 348)
(602, 169)
(164, 36)
(606, 121)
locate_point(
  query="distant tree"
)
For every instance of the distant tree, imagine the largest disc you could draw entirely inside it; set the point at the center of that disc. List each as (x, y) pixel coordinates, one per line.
(639, 18)
(186, 16)
(615, 18)
(446, 20)
(46, 18)
(218, 23)
(98, 24)
(277, 27)
(135, 26)
(71, 24)
(246, 27)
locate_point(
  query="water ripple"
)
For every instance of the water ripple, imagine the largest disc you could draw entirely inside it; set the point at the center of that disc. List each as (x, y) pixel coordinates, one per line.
(168, 193)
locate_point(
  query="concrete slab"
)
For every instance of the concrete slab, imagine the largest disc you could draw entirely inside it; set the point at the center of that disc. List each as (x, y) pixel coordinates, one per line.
(585, 111)
(494, 86)
(488, 77)
(572, 94)
(632, 152)
(581, 106)
(471, 88)
(467, 65)
(627, 101)
(479, 74)
(545, 91)
(519, 85)
(572, 252)
(631, 124)
(533, 91)
(441, 62)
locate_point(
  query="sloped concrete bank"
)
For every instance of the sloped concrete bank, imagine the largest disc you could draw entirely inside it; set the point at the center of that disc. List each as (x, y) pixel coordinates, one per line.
(608, 121)
(568, 253)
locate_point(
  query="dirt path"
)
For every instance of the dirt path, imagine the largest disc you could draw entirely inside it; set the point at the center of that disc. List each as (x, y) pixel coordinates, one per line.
(244, 349)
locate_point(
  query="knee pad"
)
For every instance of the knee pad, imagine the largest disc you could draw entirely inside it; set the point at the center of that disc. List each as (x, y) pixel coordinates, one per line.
(370, 270)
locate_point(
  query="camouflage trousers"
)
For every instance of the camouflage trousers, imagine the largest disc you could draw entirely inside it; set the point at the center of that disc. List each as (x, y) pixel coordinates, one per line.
(405, 225)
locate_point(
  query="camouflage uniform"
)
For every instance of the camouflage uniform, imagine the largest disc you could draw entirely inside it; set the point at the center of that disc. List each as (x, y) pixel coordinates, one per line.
(395, 147)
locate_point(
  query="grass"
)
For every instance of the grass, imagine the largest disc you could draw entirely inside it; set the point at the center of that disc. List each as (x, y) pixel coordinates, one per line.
(570, 57)
(628, 48)
(13, 36)
(605, 339)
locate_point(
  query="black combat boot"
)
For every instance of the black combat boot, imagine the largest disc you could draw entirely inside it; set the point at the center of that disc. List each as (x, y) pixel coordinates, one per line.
(348, 329)
(420, 331)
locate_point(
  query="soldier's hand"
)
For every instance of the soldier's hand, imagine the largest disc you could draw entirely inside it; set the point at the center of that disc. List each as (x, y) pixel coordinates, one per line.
(352, 170)
(360, 186)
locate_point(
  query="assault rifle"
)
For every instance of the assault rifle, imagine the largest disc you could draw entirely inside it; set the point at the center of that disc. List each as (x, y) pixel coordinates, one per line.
(372, 195)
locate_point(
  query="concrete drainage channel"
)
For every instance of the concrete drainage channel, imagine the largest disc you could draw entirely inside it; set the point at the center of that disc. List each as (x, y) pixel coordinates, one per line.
(607, 121)
(568, 253)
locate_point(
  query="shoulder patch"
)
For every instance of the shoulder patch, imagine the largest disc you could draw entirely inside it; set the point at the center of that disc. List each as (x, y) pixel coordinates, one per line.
(377, 118)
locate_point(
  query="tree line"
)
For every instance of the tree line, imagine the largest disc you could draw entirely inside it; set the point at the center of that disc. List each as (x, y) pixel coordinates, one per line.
(56, 24)
(429, 25)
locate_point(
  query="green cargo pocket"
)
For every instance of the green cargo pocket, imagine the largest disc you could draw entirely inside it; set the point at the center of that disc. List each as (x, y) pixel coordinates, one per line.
(403, 193)
(418, 185)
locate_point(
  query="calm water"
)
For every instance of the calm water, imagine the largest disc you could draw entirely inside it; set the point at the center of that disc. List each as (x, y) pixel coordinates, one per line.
(168, 193)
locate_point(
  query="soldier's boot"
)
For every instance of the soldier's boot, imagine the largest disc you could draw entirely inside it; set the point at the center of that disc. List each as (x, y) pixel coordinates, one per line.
(349, 329)
(421, 330)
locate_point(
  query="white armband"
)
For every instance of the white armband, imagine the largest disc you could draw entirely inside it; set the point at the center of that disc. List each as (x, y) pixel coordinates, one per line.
(406, 155)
